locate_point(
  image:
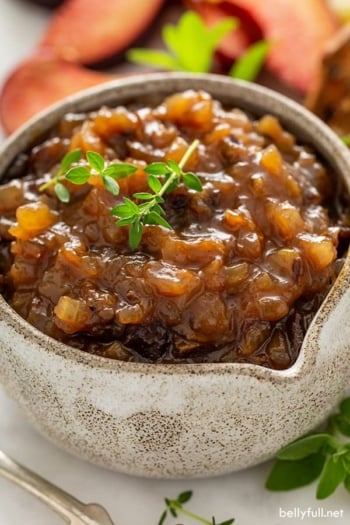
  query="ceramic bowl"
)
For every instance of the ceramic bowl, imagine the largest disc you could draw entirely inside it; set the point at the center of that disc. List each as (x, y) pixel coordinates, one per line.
(174, 421)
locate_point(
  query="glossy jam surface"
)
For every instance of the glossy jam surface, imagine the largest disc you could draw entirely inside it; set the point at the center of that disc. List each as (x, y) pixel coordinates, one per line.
(238, 279)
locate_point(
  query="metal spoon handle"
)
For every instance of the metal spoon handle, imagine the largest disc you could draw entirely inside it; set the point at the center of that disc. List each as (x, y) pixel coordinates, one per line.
(60, 501)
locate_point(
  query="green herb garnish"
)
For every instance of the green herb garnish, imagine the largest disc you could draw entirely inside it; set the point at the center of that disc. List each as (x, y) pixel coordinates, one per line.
(249, 65)
(190, 45)
(61, 191)
(163, 177)
(174, 507)
(346, 140)
(79, 175)
(321, 455)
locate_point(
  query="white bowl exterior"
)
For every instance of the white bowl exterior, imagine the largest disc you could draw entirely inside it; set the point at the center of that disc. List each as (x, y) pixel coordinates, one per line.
(196, 423)
(175, 421)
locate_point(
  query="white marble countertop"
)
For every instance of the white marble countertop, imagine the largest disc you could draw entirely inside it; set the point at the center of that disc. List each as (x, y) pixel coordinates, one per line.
(130, 501)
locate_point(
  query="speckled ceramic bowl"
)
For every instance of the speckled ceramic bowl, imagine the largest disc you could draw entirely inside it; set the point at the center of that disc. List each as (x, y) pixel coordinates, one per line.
(179, 420)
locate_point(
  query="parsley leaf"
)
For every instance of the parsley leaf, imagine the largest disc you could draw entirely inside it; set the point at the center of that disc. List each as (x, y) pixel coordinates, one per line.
(248, 66)
(190, 45)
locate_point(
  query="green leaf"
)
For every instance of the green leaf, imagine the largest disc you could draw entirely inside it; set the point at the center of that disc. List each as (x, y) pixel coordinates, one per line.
(152, 57)
(248, 66)
(221, 29)
(342, 422)
(332, 475)
(304, 447)
(157, 168)
(154, 218)
(119, 170)
(162, 518)
(123, 211)
(345, 406)
(171, 504)
(347, 482)
(288, 475)
(173, 185)
(346, 457)
(69, 159)
(346, 140)
(192, 181)
(192, 43)
(62, 193)
(78, 175)
(143, 196)
(135, 234)
(158, 209)
(95, 160)
(170, 39)
(186, 41)
(228, 522)
(134, 207)
(184, 497)
(154, 183)
(173, 166)
(126, 221)
(127, 209)
(111, 185)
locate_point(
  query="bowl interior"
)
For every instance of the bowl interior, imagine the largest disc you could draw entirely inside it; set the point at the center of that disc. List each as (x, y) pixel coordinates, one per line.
(152, 87)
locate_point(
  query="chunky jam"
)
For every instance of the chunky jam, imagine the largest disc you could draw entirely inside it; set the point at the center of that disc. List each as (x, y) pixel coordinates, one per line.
(238, 278)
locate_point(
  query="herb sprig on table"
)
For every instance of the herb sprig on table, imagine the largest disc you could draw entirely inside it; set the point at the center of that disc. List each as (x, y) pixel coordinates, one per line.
(321, 455)
(174, 507)
(191, 46)
(146, 208)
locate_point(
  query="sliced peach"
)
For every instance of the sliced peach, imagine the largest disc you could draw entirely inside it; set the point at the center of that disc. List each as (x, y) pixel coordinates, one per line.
(38, 83)
(298, 30)
(89, 32)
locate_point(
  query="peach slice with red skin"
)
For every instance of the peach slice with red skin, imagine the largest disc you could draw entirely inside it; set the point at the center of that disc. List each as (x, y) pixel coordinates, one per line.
(38, 83)
(94, 31)
(298, 30)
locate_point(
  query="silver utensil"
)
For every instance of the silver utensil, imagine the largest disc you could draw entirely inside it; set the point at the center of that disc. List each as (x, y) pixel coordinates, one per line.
(72, 510)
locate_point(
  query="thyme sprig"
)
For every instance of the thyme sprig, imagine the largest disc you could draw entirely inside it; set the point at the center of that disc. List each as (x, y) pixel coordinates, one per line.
(174, 507)
(61, 191)
(79, 175)
(163, 177)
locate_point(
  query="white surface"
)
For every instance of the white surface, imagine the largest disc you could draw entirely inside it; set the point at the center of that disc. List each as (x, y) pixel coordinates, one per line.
(130, 501)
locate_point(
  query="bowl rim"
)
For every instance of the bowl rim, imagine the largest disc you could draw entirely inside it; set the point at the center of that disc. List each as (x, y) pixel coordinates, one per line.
(333, 150)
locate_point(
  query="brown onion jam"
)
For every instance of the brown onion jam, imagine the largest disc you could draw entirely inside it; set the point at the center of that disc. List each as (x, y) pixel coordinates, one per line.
(238, 279)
